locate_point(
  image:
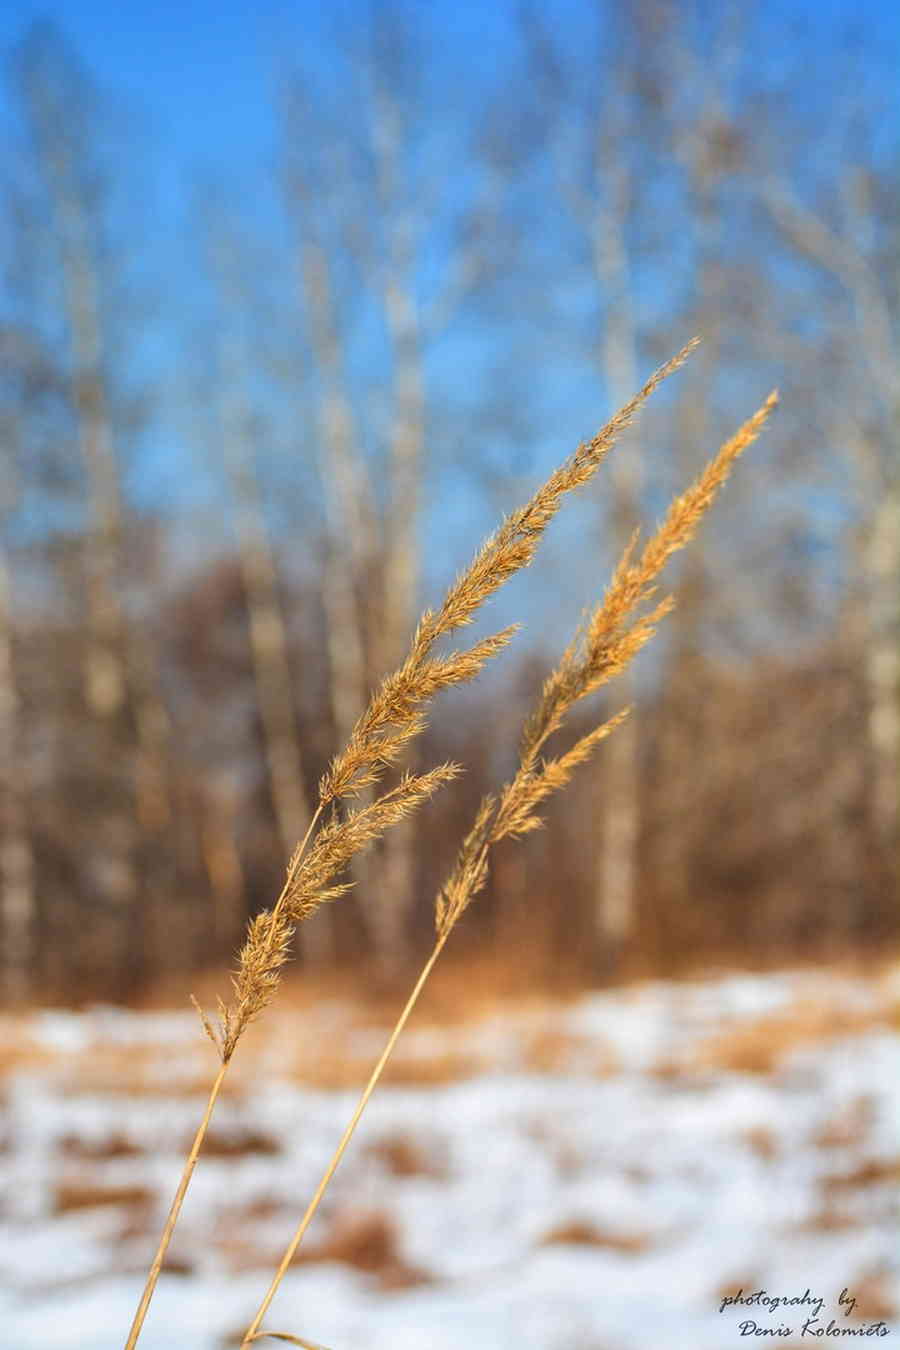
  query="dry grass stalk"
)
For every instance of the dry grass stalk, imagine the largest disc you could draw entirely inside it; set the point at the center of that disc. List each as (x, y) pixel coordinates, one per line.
(607, 641)
(394, 716)
(604, 645)
(268, 941)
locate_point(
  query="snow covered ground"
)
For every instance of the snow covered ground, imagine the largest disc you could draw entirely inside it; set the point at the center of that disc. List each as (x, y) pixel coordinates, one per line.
(595, 1175)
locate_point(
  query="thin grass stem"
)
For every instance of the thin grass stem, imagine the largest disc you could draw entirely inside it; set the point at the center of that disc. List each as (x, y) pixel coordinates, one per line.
(199, 1138)
(392, 719)
(296, 861)
(252, 1331)
(175, 1210)
(606, 642)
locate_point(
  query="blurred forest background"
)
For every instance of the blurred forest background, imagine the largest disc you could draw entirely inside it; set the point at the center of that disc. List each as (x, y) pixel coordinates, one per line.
(266, 378)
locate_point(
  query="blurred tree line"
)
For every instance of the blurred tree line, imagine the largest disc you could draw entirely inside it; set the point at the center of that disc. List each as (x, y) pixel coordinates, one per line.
(435, 287)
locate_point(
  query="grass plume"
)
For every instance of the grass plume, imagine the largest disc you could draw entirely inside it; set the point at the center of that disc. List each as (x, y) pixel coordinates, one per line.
(342, 838)
(606, 642)
(394, 716)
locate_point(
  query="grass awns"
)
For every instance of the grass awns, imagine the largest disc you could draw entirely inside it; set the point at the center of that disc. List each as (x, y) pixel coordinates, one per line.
(394, 716)
(605, 643)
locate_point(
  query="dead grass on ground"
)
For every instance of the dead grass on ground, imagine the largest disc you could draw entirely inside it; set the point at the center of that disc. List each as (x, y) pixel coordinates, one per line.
(584, 1233)
(762, 1143)
(554, 1050)
(848, 1127)
(760, 1047)
(72, 1195)
(239, 1142)
(403, 1157)
(366, 1240)
(867, 1172)
(874, 1301)
(107, 1149)
(828, 1218)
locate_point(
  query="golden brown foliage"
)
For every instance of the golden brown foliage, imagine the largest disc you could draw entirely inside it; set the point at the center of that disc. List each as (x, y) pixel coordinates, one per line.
(340, 839)
(604, 644)
(395, 716)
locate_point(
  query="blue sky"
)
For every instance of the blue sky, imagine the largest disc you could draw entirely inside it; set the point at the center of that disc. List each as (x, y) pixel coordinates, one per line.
(198, 81)
(201, 73)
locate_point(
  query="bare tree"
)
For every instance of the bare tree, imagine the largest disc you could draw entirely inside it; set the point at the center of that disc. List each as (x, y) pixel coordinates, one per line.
(268, 636)
(18, 902)
(693, 90)
(364, 230)
(217, 808)
(591, 141)
(120, 687)
(55, 104)
(869, 427)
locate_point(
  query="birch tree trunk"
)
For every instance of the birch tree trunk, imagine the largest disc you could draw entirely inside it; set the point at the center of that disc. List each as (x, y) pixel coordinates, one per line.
(113, 848)
(875, 331)
(616, 866)
(396, 864)
(699, 147)
(163, 918)
(595, 180)
(349, 506)
(131, 850)
(350, 517)
(268, 636)
(17, 893)
(372, 578)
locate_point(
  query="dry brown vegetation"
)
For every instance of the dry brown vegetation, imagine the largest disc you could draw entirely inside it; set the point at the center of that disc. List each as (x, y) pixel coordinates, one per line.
(829, 1218)
(97, 1150)
(395, 716)
(762, 1143)
(604, 645)
(160, 752)
(238, 1143)
(579, 1233)
(82, 1195)
(873, 1300)
(869, 1172)
(848, 1127)
(403, 1157)
(850, 1181)
(762, 1047)
(369, 1241)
